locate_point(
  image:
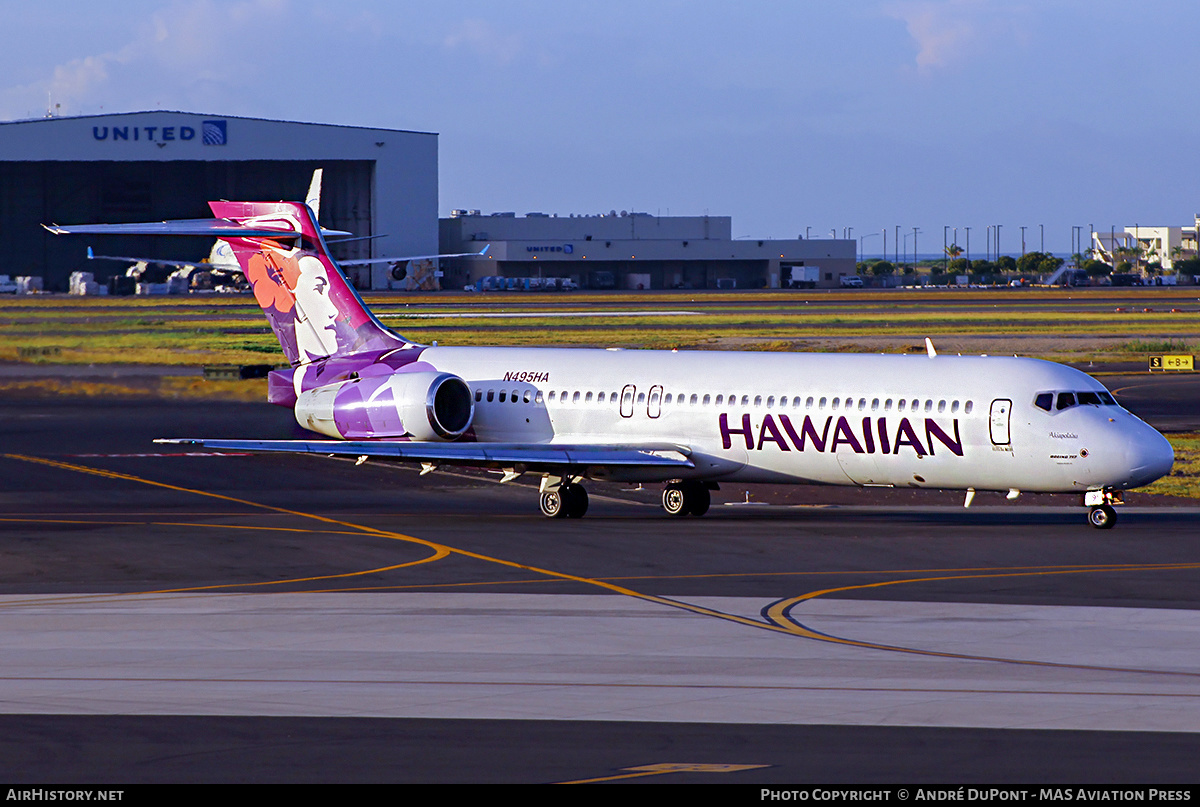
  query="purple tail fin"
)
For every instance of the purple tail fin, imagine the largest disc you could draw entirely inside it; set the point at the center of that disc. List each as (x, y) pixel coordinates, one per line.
(312, 308)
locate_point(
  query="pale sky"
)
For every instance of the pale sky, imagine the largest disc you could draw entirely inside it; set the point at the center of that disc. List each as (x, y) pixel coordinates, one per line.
(789, 116)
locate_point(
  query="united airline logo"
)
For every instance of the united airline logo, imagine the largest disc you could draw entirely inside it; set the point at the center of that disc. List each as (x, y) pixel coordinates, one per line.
(212, 132)
(844, 433)
(566, 249)
(152, 134)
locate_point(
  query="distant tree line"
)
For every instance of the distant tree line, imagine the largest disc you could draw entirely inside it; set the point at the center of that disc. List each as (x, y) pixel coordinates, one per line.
(983, 271)
(1030, 266)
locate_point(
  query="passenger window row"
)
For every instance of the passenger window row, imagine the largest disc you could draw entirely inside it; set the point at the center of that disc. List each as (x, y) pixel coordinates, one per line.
(1053, 401)
(844, 404)
(848, 404)
(515, 396)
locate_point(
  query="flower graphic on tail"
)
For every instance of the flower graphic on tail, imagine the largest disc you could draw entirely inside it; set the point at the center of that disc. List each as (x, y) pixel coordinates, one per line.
(273, 277)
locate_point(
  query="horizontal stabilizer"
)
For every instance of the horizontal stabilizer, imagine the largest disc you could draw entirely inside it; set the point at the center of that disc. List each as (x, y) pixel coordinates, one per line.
(216, 228)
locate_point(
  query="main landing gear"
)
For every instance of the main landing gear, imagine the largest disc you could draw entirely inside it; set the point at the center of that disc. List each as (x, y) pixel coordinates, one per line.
(565, 501)
(1101, 514)
(686, 498)
(570, 500)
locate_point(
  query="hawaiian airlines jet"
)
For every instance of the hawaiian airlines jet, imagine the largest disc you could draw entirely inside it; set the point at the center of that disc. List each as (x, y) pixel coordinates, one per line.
(690, 420)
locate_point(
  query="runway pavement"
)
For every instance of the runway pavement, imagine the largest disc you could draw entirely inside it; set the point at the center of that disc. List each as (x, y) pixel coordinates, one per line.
(174, 617)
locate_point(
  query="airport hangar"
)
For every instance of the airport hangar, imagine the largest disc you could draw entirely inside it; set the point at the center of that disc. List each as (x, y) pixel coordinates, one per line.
(150, 166)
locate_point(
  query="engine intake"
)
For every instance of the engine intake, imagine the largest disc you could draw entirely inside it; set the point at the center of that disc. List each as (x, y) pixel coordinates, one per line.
(449, 406)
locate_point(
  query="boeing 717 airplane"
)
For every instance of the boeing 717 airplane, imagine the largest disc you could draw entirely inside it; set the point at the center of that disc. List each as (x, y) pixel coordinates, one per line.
(690, 420)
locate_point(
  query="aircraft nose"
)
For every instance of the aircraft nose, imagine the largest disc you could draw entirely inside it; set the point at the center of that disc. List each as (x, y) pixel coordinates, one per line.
(1150, 456)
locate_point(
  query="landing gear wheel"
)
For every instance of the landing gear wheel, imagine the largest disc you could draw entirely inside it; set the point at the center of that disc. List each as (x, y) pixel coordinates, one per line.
(551, 504)
(576, 499)
(674, 501)
(686, 498)
(1102, 517)
(568, 501)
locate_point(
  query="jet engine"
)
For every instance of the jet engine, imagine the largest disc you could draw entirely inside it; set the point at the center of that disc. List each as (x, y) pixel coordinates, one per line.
(422, 406)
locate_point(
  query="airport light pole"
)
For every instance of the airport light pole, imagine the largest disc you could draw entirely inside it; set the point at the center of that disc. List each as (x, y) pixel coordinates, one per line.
(861, 238)
(945, 249)
(1022, 241)
(968, 229)
(1042, 236)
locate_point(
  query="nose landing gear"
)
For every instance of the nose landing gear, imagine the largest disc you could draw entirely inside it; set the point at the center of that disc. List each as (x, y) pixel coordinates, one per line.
(1102, 515)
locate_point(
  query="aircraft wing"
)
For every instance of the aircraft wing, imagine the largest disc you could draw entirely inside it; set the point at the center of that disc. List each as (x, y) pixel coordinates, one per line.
(406, 258)
(531, 456)
(196, 264)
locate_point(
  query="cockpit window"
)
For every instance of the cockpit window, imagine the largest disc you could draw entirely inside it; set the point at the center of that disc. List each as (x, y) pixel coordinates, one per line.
(1066, 400)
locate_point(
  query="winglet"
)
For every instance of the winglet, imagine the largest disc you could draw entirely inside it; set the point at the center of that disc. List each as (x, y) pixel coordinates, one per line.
(91, 255)
(929, 347)
(483, 251)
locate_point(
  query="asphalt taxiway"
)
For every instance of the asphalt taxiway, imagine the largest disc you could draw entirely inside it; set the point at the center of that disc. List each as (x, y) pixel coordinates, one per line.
(176, 616)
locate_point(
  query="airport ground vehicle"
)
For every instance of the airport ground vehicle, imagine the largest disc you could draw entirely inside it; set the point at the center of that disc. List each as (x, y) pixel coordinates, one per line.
(801, 277)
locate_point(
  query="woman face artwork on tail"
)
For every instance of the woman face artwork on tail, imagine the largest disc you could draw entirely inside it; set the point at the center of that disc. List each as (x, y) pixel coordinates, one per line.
(316, 314)
(295, 287)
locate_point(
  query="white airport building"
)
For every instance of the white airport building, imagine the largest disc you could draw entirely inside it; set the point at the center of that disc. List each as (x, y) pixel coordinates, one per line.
(1162, 245)
(636, 251)
(150, 166)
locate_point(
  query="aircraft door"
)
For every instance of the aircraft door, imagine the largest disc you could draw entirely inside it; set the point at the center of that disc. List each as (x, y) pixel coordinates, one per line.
(999, 421)
(627, 400)
(654, 402)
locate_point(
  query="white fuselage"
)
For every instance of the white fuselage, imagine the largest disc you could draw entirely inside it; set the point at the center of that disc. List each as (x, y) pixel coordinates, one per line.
(847, 419)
